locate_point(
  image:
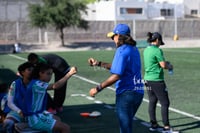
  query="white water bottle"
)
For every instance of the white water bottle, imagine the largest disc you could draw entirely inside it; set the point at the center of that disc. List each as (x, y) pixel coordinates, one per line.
(170, 71)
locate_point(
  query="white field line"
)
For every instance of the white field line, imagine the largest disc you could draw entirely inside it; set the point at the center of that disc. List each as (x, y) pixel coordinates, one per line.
(17, 57)
(90, 81)
(145, 100)
(113, 89)
(183, 51)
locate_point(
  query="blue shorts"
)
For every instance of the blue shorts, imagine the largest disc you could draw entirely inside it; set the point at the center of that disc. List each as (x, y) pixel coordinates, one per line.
(42, 121)
(14, 115)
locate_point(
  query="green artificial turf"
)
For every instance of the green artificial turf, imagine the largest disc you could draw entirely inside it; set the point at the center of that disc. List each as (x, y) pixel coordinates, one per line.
(183, 88)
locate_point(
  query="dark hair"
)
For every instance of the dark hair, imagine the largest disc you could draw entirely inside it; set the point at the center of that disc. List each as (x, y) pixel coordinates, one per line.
(126, 39)
(32, 56)
(40, 67)
(154, 36)
(150, 39)
(24, 66)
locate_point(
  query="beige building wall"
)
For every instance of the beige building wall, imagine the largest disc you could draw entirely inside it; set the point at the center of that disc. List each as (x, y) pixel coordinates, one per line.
(192, 8)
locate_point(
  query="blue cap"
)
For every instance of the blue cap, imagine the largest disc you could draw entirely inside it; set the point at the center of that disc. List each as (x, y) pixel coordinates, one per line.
(121, 29)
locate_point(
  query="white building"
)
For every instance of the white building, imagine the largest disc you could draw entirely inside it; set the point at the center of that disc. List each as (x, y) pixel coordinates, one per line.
(192, 8)
(133, 10)
(110, 10)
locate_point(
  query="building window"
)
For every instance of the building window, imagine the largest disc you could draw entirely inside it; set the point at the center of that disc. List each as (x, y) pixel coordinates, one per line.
(130, 10)
(167, 12)
(194, 12)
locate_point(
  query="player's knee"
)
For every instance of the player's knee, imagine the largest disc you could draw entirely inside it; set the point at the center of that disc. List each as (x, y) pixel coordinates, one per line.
(8, 125)
(61, 127)
(65, 128)
(165, 104)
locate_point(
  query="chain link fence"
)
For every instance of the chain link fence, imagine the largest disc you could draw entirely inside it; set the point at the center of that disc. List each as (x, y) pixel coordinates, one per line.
(23, 32)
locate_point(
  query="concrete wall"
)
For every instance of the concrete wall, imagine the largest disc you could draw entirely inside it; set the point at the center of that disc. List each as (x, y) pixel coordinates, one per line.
(97, 31)
(13, 10)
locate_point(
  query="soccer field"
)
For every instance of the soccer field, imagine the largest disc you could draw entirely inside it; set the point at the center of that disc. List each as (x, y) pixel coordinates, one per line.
(183, 88)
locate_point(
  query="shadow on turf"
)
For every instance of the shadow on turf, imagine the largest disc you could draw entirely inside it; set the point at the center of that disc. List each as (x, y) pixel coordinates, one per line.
(100, 45)
(187, 126)
(6, 78)
(106, 123)
(8, 48)
(91, 45)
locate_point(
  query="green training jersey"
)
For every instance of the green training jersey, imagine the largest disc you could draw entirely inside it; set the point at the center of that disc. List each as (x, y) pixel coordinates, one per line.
(42, 60)
(152, 56)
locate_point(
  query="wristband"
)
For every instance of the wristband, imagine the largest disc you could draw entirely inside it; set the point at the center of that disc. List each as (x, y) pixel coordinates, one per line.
(99, 88)
(18, 111)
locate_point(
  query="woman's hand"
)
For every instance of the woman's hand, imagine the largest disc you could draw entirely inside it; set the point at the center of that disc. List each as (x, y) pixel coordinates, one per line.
(92, 62)
(73, 70)
(93, 92)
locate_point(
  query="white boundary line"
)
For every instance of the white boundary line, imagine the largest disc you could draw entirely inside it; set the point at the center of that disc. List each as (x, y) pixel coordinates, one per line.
(113, 89)
(17, 57)
(145, 100)
(183, 51)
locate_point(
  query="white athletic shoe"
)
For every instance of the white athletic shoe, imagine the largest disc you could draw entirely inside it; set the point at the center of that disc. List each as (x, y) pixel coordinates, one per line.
(169, 131)
(156, 128)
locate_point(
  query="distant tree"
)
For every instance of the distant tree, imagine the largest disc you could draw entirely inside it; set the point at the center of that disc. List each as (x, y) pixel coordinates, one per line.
(60, 14)
(90, 1)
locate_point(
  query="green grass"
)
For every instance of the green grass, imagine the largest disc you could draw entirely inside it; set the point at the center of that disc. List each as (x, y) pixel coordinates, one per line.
(183, 88)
